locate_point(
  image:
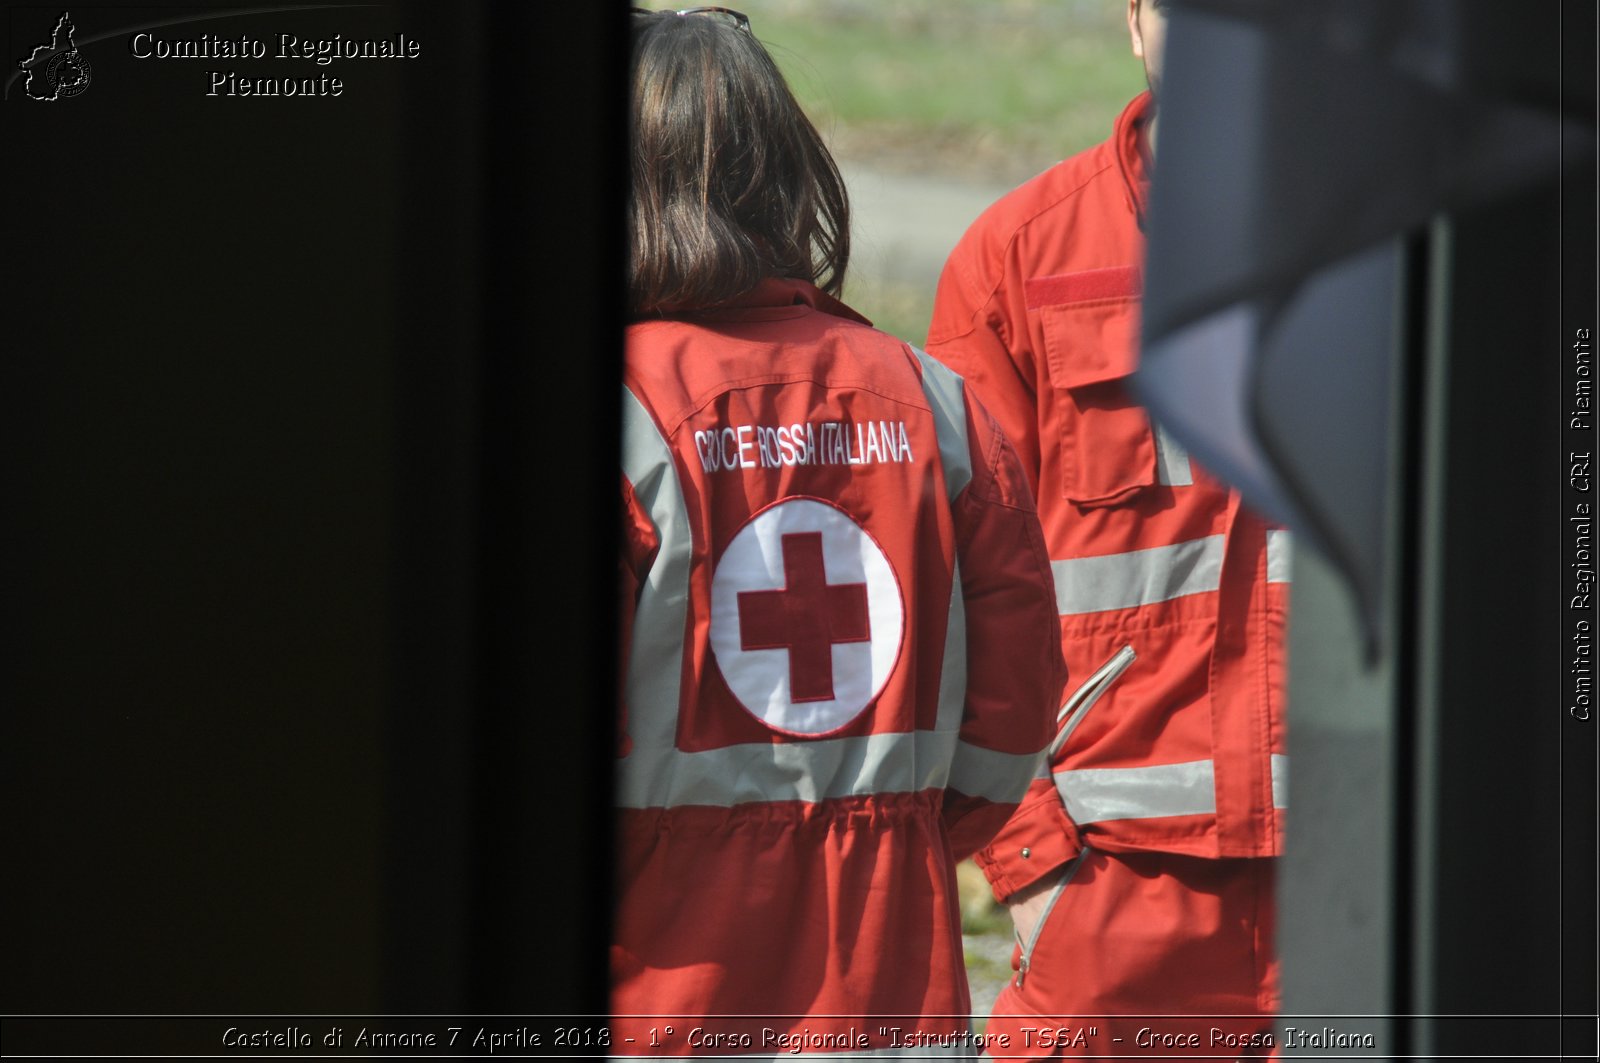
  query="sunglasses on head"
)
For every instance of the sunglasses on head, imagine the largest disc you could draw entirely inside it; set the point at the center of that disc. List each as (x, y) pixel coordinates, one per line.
(736, 19)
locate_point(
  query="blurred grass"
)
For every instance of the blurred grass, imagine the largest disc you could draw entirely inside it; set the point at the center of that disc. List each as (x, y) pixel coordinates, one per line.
(980, 912)
(986, 90)
(982, 92)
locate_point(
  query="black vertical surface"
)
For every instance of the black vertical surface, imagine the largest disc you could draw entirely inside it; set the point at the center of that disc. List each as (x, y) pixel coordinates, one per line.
(1314, 132)
(1580, 746)
(305, 665)
(549, 459)
(1491, 901)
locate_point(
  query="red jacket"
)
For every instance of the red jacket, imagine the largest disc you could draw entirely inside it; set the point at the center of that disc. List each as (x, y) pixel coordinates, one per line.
(841, 671)
(1172, 597)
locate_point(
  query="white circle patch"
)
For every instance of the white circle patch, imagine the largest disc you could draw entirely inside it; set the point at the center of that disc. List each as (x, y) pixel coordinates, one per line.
(806, 617)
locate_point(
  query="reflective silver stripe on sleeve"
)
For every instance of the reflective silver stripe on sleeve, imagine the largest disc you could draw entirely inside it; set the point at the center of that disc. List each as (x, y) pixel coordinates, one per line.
(1280, 781)
(655, 661)
(945, 393)
(1094, 795)
(943, 390)
(999, 777)
(953, 670)
(1138, 577)
(974, 771)
(1280, 556)
(1172, 460)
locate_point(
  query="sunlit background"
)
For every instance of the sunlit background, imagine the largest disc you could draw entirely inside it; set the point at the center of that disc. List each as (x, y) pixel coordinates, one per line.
(934, 109)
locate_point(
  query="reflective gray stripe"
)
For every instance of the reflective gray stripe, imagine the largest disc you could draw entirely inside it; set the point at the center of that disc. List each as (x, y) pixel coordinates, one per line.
(820, 770)
(974, 771)
(999, 777)
(944, 391)
(1172, 460)
(1138, 577)
(786, 771)
(1280, 556)
(655, 661)
(953, 670)
(1094, 795)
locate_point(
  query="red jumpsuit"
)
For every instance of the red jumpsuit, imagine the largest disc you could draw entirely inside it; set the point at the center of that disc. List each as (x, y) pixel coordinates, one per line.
(1170, 780)
(841, 667)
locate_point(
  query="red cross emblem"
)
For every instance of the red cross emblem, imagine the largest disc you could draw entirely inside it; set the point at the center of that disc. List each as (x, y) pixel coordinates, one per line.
(806, 617)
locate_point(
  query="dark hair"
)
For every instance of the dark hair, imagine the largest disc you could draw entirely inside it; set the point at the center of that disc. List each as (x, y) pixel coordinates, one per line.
(731, 183)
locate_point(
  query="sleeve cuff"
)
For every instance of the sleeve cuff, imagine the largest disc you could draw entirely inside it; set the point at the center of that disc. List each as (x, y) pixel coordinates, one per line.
(1037, 840)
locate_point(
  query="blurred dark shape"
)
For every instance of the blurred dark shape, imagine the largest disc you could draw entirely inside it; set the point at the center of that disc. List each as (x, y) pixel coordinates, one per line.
(307, 666)
(1371, 259)
(1300, 145)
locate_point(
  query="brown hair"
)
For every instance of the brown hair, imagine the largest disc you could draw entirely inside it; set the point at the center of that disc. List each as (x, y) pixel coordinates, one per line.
(731, 183)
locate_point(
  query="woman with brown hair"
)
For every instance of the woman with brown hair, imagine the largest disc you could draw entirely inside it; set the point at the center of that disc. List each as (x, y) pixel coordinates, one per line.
(838, 619)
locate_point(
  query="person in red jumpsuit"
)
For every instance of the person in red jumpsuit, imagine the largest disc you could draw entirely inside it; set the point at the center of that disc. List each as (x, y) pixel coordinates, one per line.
(1139, 875)
(838, 615)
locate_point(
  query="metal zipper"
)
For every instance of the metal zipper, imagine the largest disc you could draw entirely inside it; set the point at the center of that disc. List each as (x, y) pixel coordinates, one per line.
(1083, 699)
(1024, 961)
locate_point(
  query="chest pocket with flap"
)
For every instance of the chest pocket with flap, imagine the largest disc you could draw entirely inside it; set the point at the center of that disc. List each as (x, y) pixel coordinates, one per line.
(1090, 327)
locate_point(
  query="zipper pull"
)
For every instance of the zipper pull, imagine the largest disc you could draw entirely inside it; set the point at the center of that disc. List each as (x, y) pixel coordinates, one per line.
(1083, 699)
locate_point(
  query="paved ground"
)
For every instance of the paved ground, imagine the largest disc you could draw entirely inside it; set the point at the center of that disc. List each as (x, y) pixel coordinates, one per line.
(905, 225)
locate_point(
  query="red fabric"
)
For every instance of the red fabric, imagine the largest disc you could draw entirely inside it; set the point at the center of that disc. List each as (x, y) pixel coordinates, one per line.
(1114, 282)
(794, 911)
(1035, 311)
(1173, 955)
(1042, 836)
(641, 545)
(1208, 682)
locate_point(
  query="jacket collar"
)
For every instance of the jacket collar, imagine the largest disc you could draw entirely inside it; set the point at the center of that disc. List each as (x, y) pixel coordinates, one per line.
(1133, 153)
(780, 297)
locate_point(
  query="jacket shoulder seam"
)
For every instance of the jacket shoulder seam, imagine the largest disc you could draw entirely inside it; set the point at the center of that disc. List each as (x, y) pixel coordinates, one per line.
(1015, 230)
